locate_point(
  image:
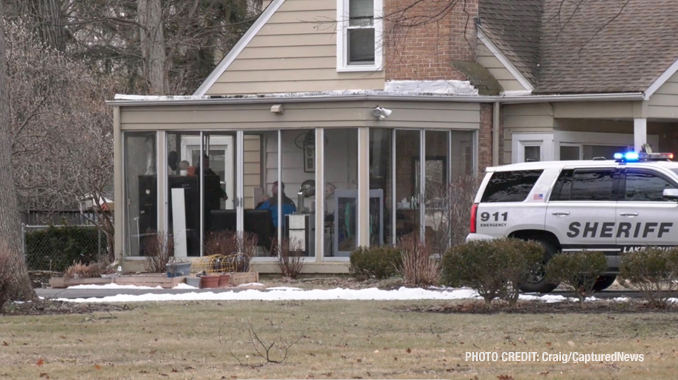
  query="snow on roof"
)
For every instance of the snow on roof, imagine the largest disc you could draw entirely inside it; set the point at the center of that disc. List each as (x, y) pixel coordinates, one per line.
(391, 88)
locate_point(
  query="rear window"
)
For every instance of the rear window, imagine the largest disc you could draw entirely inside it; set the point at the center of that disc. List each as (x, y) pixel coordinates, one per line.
(510, 186)
(585, 185)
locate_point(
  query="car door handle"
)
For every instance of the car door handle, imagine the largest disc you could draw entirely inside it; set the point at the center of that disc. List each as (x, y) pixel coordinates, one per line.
(562, 213)
(629, 214)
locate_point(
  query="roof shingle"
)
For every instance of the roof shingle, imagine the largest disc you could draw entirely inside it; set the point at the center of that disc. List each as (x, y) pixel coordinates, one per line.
(585, 46)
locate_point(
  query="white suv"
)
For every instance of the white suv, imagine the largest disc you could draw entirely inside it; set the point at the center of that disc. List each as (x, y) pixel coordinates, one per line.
(612, 206)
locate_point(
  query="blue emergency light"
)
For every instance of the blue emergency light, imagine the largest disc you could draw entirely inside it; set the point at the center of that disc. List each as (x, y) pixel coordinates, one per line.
(635, 156)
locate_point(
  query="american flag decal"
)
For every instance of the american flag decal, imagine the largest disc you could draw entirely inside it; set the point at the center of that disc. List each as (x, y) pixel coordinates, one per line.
(538, 197)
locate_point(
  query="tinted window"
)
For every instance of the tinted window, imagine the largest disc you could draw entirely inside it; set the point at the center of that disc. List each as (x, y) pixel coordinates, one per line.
(563, 187)
(510, 186)
(592, 185)
(645, 187)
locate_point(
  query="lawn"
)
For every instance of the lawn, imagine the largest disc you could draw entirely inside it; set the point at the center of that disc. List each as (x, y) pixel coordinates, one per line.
(337, 339)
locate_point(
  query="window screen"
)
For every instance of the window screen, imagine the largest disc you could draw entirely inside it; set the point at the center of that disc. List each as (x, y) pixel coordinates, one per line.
(360, 37)
(510, 186)
(643, 186)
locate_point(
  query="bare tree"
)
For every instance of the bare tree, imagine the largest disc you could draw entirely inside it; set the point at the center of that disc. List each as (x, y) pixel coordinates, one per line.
(153, 45)
(14, 281)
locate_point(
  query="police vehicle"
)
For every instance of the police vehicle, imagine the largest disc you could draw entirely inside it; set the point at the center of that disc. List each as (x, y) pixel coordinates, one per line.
(613, 206)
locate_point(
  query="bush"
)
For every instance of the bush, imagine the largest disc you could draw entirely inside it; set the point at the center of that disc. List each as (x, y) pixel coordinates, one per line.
(158, 251)
(578, 271)
(85, 270)
(378, 262)
(57, 248)
(653, 271)
(493, 268)
(417, 266)
(290, 257)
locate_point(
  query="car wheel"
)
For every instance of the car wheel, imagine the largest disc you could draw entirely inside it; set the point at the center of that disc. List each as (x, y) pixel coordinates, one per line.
(535, 281)
(604, 282)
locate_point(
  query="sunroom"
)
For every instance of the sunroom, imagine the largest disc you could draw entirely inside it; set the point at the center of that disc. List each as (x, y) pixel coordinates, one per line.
(328, 173)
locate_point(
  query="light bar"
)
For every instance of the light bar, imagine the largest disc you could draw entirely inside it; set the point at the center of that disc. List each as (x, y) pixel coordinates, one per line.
(642, 156)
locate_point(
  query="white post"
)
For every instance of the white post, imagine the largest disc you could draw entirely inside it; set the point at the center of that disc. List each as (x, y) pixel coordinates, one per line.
(639, 133)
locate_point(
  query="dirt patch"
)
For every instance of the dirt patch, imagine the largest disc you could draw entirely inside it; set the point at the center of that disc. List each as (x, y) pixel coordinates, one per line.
(328, 282)
(48, 307)
(537, 307)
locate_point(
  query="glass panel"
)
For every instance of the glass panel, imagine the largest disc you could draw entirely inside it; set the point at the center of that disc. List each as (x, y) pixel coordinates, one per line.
(360, 46)
(592, 185)
(298, 189)
(341, 191)
(568, 153)
(141, 190)
(532, 153)
(361, 12)
(381, 187)
(183, 194)
(510, 186)
(259, 167)
(438, 211)
(642, 186)
(462, 153)
(407, 193)
(593, 151)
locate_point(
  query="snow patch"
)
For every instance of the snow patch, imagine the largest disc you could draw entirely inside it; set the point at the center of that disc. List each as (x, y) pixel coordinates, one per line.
(439, 87)
(112, 286)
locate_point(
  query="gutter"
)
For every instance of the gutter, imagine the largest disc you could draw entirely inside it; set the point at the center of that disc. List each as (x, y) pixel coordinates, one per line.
(510, 99)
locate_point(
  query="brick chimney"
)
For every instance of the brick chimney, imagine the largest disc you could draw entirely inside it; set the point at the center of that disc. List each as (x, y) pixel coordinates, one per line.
(421, 42)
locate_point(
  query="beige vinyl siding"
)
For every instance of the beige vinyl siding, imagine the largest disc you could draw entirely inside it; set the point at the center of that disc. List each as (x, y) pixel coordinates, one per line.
(485, 58)
(432, 115)
(532, 118)
(596, 110)
(251, 167)
(296, 51)
(663, 103)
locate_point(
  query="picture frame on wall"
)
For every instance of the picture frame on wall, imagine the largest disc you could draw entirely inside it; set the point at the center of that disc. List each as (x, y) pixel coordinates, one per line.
(309, 157)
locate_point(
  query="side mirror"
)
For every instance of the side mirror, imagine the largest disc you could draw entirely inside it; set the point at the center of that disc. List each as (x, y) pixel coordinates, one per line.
(671, 194)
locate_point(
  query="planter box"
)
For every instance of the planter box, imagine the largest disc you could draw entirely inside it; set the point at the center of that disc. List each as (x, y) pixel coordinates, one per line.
(60, 282)
(239, 278)
(209, 281)
(152, 280)
(193, 281)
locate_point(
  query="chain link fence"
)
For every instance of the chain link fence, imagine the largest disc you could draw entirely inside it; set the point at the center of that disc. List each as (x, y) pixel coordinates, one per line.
(55, 248)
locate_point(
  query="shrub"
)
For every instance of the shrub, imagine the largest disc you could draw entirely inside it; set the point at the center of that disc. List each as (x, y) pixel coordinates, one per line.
(417, 266)
(378, 262)
(578, 271)
(229, 243)
(158, 251)
(56, 248)
(290, 257)
(653, 271)
(85, 270)
(493, 268)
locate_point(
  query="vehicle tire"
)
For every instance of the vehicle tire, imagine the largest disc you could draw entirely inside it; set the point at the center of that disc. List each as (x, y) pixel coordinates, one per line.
(604, 282)
(536, 282)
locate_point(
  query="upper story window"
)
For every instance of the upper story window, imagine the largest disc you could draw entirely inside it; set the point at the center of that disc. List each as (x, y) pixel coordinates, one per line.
(359, 35)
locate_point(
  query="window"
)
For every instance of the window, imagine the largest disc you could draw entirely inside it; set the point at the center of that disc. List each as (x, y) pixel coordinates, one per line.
(570, 152)
(510, 186)
(585, 185)
(359, 35)
(533, 153)
(643, 186)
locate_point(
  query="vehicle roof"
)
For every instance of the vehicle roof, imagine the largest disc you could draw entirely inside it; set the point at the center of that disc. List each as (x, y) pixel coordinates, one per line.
(540, 165)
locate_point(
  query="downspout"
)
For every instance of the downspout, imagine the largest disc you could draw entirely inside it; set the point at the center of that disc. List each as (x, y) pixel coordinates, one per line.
(495, 133)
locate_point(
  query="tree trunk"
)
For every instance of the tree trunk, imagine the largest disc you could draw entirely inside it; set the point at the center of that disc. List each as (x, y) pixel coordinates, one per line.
(14, 281)
(153, 46)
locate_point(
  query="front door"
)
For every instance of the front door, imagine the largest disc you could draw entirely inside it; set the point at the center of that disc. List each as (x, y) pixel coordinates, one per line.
(644, 216)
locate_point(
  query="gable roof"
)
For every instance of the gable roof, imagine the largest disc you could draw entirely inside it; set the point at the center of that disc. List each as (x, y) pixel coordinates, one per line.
(238, 48)
(585, 46)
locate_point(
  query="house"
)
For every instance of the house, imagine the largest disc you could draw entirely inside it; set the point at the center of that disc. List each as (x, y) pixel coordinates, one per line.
(347, 104)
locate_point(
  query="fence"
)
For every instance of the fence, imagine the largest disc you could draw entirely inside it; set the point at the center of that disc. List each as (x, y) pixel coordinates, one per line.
(55, 248)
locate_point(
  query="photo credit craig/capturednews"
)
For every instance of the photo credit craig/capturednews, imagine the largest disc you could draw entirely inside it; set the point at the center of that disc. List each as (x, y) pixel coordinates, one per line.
(560, 357)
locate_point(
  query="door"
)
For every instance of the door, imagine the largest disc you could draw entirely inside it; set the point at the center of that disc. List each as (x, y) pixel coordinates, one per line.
(581, 210)
(644, 216)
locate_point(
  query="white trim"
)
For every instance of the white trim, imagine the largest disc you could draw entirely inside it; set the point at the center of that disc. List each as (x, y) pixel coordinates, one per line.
(661, 80)
(238, 48)
(504, 61)
(543, 140)
(342, 23)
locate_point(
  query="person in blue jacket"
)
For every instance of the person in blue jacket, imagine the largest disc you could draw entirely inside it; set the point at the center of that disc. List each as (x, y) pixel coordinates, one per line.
(271, 203)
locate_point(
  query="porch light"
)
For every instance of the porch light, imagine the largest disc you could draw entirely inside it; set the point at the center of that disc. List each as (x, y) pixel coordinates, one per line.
(277, 108)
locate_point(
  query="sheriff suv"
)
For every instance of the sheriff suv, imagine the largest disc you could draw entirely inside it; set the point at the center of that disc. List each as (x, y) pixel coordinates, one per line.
(613, 206)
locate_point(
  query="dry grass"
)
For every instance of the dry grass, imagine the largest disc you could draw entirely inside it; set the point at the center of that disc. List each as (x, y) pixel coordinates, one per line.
(341, 339)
